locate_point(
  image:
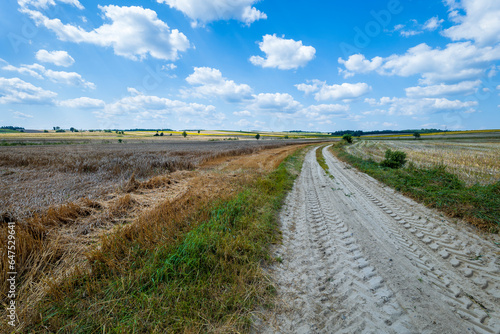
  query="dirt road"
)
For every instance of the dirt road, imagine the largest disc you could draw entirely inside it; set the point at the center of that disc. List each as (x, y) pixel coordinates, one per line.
(357, 257)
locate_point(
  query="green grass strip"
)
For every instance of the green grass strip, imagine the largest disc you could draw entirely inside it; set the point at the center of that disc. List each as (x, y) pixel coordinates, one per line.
(436, 188)
(211, 280)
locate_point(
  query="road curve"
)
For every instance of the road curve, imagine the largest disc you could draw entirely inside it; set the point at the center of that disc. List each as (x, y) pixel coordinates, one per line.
(357, 257)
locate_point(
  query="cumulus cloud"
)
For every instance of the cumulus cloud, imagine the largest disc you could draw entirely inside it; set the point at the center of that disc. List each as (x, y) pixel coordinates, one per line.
(343, 91)
(458, 61)
(276, 102)
(59, 58)
(359, 64)
(209, 82)
(40, 72)
(422, 106)
(465, 87)
(480, 22)
(82, 103)
(154, 107)
(133, 32)
(284, 54)
(15, 90)
(202, 11)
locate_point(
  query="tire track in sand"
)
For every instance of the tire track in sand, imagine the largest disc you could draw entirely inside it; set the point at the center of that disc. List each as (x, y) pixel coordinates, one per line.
(350, 266)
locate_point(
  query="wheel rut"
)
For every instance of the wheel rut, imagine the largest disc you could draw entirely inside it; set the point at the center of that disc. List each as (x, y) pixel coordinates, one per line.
(359, 258)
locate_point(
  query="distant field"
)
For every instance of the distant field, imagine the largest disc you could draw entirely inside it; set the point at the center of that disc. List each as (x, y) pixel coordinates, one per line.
(474, 161)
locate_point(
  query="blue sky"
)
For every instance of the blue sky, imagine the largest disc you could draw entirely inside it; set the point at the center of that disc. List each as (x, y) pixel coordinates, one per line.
(247, 64)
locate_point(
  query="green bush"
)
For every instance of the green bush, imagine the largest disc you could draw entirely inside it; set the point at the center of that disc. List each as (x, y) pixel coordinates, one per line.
(394, 159)
(347, 137)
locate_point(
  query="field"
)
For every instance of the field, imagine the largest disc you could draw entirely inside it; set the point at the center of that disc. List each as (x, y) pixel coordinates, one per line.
(64, 198)
(474, 161)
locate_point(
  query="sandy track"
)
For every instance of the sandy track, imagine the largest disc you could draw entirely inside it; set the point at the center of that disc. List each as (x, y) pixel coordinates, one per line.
(361, 258)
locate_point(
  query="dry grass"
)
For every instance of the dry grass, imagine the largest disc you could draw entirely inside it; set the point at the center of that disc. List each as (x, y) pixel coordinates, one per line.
(53, 241)
(472, 161)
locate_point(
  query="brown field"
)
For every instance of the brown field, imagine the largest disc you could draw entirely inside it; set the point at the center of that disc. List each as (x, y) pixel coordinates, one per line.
(474, 161)
(65, 199)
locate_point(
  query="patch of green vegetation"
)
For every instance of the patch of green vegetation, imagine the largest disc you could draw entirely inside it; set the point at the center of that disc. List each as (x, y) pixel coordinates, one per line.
(6, 143)
(209, 280)
(9, 131)
(322, 162)
(437, 188)
(394, 159)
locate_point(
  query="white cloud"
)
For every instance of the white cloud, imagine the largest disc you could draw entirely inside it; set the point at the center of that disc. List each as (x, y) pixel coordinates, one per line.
(422, 106)
(458, 61)
(277, 102)
(68, 78)
(284, 54)
(209, 82)
(357, 63)
(465, 87)
(18, 114)
(38, 71)
(389, 125)
(430, 25)
(82, 103)
(154, 107)
(480, 23)
(44, 4)
(343, 91)
(15, 90)
(243, 113)
(33, 70)
(311, 86)
(433, 23)
(59, 58)
(203, 11)
(134, 32)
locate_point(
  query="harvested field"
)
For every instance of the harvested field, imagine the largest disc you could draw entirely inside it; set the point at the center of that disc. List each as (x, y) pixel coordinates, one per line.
(35, 177)
(473, 161)
(71, 208)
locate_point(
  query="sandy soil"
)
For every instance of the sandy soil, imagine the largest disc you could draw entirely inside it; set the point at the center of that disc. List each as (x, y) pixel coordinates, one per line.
(357, 257)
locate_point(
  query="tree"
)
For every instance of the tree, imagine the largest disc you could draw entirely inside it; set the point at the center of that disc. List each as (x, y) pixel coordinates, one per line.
(161, 134)
(416, 135)
(184, 134)
(72, 129)
(257, 136)
(198, 131)
(56, 128)
(347, 137)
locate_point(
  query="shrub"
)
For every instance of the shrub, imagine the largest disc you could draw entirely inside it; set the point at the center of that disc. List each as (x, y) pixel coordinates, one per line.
(416, 135)
(184, 134)
(347, 137)
(394, 159)
(257, 136)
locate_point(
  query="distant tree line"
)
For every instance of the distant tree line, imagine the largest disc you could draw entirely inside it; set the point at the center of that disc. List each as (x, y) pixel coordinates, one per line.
(15, 128)
(357, 133)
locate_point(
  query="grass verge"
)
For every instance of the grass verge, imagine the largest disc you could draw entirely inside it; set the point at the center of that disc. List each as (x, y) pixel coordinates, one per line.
(175, 272)
(437, 188)
(321, 161)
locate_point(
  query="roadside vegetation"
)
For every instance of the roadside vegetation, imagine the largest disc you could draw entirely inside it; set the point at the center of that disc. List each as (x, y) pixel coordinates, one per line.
(436, 187)
(473, 161)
